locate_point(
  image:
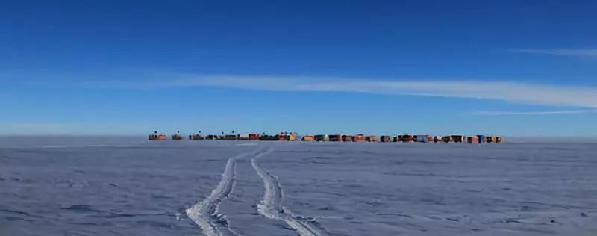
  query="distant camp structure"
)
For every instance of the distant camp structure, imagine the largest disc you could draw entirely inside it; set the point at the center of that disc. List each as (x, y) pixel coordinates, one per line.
(356, 138)
(156, 136)
(177, 136)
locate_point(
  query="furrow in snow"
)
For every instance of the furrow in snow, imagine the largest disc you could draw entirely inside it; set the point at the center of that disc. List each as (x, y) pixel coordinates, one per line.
(271, 205)
(205, 213)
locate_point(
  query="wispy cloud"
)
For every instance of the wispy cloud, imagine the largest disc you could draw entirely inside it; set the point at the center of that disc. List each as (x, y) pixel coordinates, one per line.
(73, 128)
(533, 113)
(525, 93)
(559, 52)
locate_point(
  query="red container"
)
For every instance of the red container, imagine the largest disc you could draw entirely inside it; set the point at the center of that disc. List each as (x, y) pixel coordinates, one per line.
(254, 136)
(472, 139)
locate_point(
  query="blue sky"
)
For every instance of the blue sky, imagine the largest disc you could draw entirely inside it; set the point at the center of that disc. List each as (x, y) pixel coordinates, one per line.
(514, 68)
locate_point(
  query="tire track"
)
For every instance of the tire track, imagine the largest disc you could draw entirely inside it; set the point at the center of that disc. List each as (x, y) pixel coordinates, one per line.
(206, 212)
(271, 205)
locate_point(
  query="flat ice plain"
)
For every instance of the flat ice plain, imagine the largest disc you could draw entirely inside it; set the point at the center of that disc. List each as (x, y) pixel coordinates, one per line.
(128, 186)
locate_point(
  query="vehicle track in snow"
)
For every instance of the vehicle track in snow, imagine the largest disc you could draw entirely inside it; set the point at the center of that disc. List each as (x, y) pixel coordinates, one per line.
(271, 206)
(206, 212)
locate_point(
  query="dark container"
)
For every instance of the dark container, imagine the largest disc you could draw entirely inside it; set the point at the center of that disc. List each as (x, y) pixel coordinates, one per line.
(407, 138)
(335, 137)
(322, 137)
(481, 138)
(386, 139)
(457, 138)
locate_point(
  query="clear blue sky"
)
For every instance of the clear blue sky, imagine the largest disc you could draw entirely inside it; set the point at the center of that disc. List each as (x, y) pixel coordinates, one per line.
(515, 68)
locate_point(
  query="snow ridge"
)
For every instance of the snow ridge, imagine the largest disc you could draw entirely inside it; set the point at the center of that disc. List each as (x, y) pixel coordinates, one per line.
(271, 205)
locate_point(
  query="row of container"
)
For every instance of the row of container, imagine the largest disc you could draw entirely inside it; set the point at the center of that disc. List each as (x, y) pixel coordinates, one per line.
(289, 136)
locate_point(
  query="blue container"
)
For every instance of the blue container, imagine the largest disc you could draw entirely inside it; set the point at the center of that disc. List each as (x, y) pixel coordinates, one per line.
(422, 139)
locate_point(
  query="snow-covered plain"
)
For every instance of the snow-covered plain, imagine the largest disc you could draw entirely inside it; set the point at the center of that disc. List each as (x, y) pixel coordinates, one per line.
(128, 186)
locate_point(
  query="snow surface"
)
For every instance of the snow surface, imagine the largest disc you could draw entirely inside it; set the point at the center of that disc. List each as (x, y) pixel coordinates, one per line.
(127, 186)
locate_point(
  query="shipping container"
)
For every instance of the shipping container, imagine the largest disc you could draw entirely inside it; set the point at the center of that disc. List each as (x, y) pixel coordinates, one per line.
(491, 139)
(335, 137)
(358, 138)
(156, 137)
(386, 139)
(196, 137)
(254, 136)
(285, 136)
(481, 138)
(267, 137)
(177, 136)
(322, 138)
(407, 138)
(308, 138)
(457, 138)
(421, 138)
(472, 139)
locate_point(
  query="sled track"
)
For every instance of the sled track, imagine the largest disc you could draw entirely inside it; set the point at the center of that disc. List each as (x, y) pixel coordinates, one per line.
(271, 205)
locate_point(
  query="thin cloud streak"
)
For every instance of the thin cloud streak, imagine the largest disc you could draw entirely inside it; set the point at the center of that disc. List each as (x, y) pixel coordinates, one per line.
(533, 113)
(558, 52)
(74, 128)
(541, 94)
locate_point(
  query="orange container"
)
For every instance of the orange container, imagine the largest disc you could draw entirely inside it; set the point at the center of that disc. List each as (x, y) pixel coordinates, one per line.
(358, 138)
